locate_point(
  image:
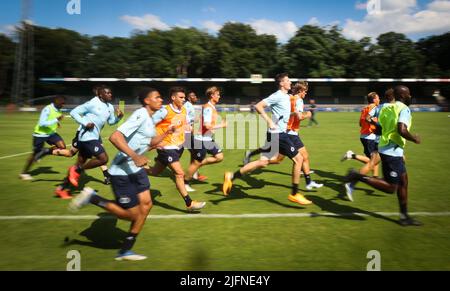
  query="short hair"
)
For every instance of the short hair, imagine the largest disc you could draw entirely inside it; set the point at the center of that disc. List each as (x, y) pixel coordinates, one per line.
(144, 93)
(300, 87)
(211, 90)
(175, 90)
(59, 97)
(389, 95)
(95, 89)
(280, 77)
(102, 88)
(371, 97)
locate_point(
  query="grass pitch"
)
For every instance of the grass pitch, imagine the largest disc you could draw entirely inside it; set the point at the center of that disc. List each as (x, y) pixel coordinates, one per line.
(192, 242)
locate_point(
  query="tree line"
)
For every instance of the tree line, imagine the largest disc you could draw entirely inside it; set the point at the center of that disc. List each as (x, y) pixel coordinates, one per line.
(235, 52)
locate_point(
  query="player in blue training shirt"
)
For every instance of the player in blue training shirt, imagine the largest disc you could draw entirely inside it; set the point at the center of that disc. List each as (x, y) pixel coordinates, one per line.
(129, 180)
(92, 116)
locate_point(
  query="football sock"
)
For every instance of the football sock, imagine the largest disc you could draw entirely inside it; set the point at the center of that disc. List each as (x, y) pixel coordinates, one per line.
(98, 201)
(308, 179)
(237, 175)
(187, 200)
(354, 156)
(79, 170)
(106, 173)
(128, 243)
(294, 189)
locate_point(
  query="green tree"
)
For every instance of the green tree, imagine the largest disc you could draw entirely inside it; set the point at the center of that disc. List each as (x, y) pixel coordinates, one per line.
(315, 52)
(242, 52)
(7, 47)
(436, 50)
(60, 52)
(397, 57)
(111, 57)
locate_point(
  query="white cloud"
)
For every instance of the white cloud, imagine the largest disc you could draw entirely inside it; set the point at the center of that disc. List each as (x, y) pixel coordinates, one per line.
(209, 9)
(361, 6)
(146, 22)
(403, 16)
(185, 23)
(8, 29)
(211, 26)
(314, 21)
(282, 30)
(439, 6)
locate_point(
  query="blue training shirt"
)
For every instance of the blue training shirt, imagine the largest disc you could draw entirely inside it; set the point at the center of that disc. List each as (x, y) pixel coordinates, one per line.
(138, 131)
(94, 111)
(280, 105)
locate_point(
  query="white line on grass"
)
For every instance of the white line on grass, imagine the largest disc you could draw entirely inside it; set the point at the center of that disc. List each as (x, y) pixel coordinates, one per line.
(17, 155)
(224, 216)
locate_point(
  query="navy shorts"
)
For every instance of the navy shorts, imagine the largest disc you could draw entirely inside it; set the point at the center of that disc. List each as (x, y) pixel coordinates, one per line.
(202, 148)
(75, 140)
(167, 157)
(280, 143)
(38, 142)
(127, 188)
(370, 146)
(91, 148)
(296, 141)
(393, 168)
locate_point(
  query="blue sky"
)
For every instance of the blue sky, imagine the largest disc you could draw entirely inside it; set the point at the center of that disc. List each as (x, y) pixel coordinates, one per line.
(416, 18)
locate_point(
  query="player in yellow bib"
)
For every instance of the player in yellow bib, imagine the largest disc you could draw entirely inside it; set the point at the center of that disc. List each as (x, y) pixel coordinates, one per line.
(395, 121)
(45, 132)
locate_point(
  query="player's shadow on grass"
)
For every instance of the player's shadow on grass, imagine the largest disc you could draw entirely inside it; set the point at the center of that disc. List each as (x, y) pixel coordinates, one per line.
(103, 233)
(329, 175)
(336, 182)
(42, 170)
(344, 211)
(238, 192)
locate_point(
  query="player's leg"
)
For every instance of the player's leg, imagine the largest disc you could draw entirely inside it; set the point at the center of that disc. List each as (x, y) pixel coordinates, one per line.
(100, 160)
(106, 175)
(295, 196)
(38, 145)
(191, 205)
(229, 177)
(249, 154)
(310, 184)
(214, 150)
(213, 160)
(157, 169)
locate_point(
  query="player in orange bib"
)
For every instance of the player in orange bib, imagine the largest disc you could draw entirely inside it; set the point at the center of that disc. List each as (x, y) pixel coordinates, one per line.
(172, 118)
(204, 143)
(369, 140)
(299, 92)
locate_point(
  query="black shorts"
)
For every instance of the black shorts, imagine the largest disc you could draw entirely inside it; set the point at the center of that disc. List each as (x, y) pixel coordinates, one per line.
(91, 148)
(167, 157)
(280, 143)
(188, 141)
(75, 140)
(127, 188)
(393, 168)
(370, 146)
(202, 148)
(38, 142)
(296, 141)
